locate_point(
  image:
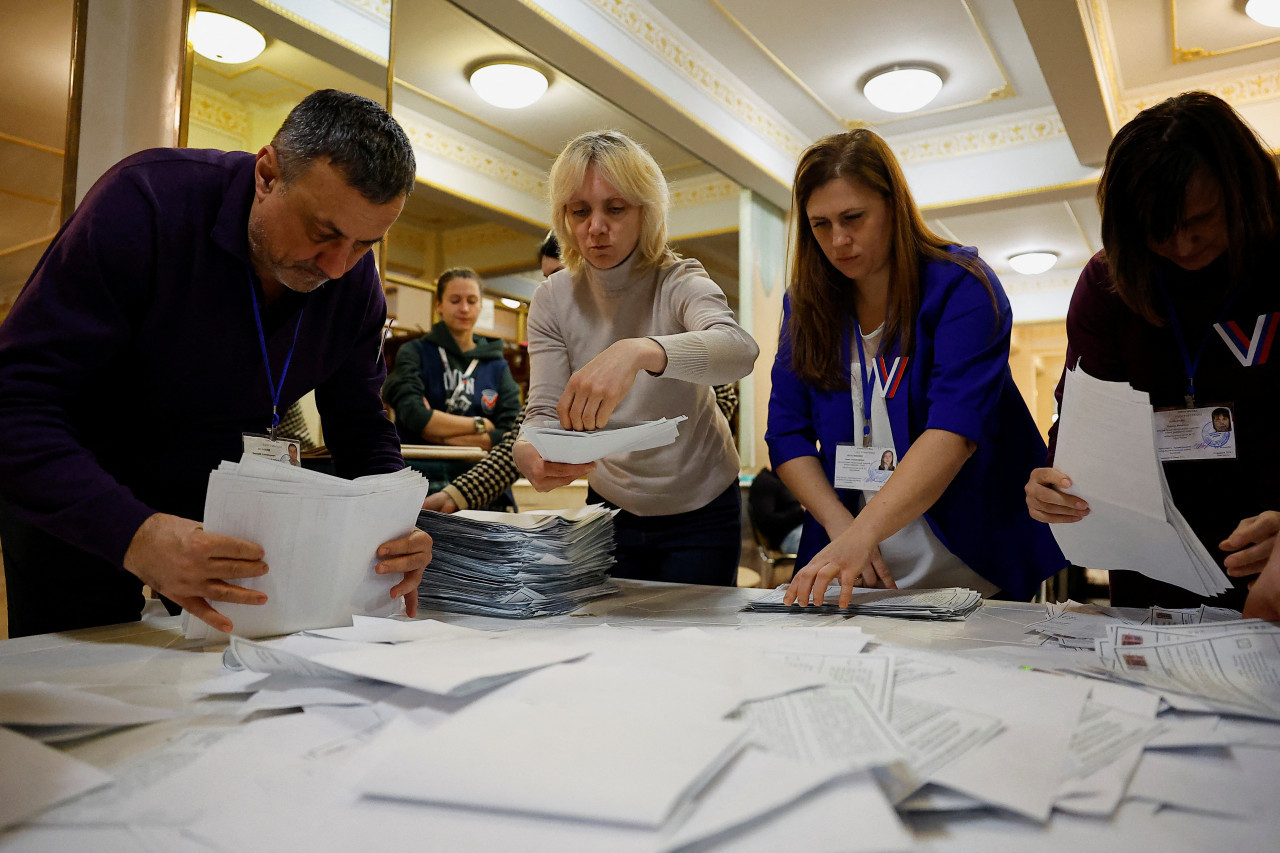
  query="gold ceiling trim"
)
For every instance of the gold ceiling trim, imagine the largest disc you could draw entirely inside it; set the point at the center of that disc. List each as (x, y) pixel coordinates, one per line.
(380, 9)
(1182, 54)
(1262, 86)
(519, 176)
(28, 143)
(982, 199)
(484, 235)
(307, 23)
(435, 99)
(30, 244)
(635, 78)
(28, 197)
(216, 109)
(695, 192)
(689, 62)
(1109, 69)
(978, 140)
(1005, 90)
(698, 235)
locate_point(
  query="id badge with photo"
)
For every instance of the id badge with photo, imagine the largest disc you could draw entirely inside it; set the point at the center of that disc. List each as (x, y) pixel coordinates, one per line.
(279, 449)
(1204, 432)
(866, 469)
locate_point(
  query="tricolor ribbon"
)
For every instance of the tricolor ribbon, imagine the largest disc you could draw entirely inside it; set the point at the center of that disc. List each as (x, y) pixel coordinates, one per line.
(891, 377)
(1250, 350)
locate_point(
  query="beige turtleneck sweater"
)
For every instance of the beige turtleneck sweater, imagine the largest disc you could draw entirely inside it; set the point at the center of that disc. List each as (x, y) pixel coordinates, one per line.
(572, 320)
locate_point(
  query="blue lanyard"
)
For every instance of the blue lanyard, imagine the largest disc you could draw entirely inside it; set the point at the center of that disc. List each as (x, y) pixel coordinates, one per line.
(266, 359)
(1189, 364)
(868, 379)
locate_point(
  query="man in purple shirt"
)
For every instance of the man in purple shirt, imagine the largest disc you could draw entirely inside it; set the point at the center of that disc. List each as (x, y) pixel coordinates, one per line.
(193, 295)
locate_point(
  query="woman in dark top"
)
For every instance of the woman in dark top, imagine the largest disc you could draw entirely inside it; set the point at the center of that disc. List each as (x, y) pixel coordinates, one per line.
(1180, 304)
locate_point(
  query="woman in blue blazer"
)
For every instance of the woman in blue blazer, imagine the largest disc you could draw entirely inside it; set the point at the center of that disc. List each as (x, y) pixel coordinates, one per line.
(894, 339)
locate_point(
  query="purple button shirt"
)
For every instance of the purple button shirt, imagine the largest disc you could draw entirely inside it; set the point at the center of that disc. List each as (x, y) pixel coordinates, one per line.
(130, 363)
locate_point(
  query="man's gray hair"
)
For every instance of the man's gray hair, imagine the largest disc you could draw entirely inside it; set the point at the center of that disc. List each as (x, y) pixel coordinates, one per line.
(356, 135)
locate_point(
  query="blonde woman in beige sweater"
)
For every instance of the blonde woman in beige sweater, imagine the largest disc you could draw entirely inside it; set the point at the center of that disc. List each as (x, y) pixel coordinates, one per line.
(628, 332)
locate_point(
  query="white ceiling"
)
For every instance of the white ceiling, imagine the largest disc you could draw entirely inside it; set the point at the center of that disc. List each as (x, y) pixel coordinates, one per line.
(732, 90)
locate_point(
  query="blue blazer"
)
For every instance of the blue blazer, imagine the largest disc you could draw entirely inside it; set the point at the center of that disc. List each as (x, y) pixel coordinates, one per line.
(956, 379)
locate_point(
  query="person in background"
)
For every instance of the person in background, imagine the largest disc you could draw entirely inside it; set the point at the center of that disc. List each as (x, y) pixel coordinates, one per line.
(630, 332)
(549, 255)
(184, 284)
(451, 386)
(775, 512)
(1179, 303)
(896, 341)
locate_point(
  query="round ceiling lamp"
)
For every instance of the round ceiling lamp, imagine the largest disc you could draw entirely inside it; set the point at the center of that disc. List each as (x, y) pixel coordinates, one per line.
(1033, 263)
(225, 39)
(1265, 12)
(509, 85)
(902, 88)
(513, 304)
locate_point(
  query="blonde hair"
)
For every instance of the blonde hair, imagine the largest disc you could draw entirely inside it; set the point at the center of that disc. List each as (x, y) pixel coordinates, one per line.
(632, 170)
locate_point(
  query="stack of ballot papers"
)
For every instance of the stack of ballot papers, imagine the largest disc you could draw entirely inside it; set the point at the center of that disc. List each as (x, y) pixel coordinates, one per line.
(562, 445)
(1079, 626)
(1107, 446)
(517, 565)
(951, 604)
(320, 534)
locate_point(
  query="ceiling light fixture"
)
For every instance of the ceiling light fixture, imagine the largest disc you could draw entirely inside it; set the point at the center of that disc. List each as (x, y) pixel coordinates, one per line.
(1265, 12)
(224, 39)
(508, 85)
(1033, 263)
(513, 304)
(902, 88)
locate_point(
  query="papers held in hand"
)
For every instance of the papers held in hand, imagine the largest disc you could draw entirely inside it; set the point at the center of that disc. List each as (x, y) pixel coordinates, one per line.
(1107, 446)
(576, 448)
(951, 604)
(321, 535)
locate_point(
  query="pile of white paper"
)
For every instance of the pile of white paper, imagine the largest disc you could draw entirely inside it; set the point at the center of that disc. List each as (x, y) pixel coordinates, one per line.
(951, 603)
(562, 445)
(517, 565)
(1080, 626)
(320, 533)
(1107, 446)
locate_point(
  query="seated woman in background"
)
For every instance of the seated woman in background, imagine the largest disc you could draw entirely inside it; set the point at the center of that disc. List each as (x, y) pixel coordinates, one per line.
(627, 305)
(451, 386)
(895, 343)
(1181, 303)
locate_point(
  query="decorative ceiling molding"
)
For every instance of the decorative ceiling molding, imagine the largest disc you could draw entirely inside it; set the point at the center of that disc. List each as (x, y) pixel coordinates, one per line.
(470, 237)
(1004, 90)
(695, 192)
(439, 140)
(28, 143)
(1262, 86)
(1182, 54)
(379, 10)
(981, 139)
(702, 71)
(216, 110)
(436, 99)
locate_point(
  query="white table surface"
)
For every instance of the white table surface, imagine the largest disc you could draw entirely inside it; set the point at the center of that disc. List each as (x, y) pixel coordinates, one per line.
(149, 662)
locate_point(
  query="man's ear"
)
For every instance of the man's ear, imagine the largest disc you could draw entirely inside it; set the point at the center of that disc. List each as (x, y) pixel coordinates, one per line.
(266, 173)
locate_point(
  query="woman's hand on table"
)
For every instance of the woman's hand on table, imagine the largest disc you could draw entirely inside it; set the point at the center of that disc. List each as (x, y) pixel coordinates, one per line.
(593, 393)
(1048, 503)
(849, 557)
(545, 475)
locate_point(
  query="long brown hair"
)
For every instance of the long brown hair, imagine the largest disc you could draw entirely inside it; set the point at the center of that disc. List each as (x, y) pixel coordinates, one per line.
(1144, 188)
(821, 296)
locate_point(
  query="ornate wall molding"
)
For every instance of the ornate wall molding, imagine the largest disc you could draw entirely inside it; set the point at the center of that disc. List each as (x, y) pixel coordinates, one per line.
(379, 10)
(439, 141)
(693, 192)
(1262, 86)
(701, 71)
(220, 112)
(470, 237)
(981, 139)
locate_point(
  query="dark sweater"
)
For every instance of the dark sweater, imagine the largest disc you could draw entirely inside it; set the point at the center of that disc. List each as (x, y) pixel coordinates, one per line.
(130, 363)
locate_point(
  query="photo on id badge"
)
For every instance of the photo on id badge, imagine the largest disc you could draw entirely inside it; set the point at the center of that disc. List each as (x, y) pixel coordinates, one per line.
(864, 468)
(1203, 432)
(280, 449)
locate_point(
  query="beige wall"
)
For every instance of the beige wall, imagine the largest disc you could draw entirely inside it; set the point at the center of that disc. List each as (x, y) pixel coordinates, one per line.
(1037, 353)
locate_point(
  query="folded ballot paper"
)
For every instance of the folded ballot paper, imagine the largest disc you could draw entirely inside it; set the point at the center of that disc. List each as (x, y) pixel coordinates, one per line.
(950, 604)
(320, 533)
(563, 445)
(517, 565)
(1107, 445)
